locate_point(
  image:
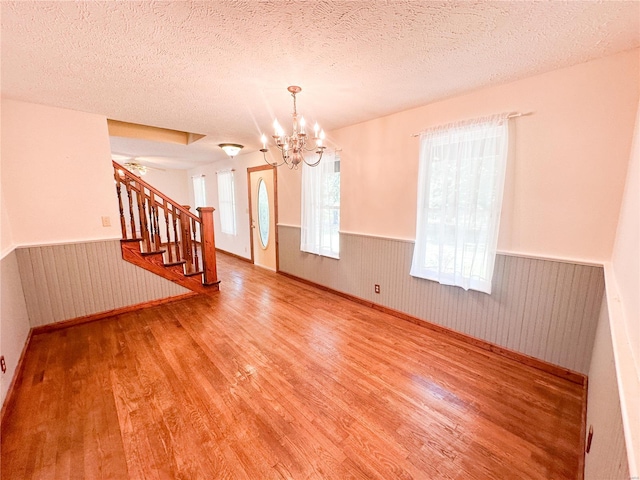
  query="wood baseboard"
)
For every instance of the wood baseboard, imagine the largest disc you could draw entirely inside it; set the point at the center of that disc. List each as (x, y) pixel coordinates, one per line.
(52, 327)
(525, 359)
(17, 377)
(244, 259)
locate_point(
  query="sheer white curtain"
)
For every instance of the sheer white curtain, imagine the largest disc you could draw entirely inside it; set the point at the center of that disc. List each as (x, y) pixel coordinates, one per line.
(226, 202)
(199, 193)
(320, 209)
(460, 187)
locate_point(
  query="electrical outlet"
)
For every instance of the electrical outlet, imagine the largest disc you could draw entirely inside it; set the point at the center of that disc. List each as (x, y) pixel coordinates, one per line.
(589, 439)
(106, 221)
(376, 287)
(3, 364)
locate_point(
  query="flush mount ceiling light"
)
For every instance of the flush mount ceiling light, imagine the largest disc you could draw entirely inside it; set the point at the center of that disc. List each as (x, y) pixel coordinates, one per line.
(231, 149)
(292, 147)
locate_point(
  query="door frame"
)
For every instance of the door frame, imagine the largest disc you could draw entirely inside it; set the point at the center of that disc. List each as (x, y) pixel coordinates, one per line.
(251, 170)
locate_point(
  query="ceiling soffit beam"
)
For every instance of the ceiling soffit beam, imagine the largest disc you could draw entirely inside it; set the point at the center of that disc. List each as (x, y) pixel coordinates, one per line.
(145, 132)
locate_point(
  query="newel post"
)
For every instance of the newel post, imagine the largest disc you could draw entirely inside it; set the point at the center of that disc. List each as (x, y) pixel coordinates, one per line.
(208, 246)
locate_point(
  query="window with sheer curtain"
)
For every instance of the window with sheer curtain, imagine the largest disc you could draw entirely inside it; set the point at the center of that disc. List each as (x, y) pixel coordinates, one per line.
(227, 202)
(320, 221)
(460, 185)
(199, 194)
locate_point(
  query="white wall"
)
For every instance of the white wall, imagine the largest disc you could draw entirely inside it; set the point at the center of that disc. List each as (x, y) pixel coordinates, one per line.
(238, 244)
(623, 289)
(626, 254)
(173, 183)
(607, 458)
(6, 237)
(565, 178)
(57, 178)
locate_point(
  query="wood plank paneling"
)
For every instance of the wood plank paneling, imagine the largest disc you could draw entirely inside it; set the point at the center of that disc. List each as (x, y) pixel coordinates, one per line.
(542, 308)
(61, 282)
(608, 455)
(14, 320)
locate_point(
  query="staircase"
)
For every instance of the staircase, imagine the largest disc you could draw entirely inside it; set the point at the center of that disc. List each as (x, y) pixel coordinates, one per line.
(164, 237)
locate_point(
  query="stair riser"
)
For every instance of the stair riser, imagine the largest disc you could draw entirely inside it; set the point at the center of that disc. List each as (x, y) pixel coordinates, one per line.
(154, 263)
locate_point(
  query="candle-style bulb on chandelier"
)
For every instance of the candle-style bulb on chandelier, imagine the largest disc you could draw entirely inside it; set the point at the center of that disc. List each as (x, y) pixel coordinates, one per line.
(292, 147)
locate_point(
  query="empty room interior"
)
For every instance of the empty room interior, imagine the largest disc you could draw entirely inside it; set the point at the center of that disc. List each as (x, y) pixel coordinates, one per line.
(320, 239)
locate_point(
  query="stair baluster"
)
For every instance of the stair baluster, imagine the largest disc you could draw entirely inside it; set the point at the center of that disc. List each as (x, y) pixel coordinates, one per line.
(148, 204)
(175, 234)
(195, 245)
(155, 224)
(134, 232)
(166, 226)
(185, 240)
(142, 219)
(123, 225)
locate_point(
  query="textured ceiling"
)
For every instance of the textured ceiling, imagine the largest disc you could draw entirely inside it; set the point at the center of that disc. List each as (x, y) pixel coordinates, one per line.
(221, 68)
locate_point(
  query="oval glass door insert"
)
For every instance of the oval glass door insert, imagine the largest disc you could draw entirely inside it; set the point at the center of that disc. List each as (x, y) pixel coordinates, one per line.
(263, 213)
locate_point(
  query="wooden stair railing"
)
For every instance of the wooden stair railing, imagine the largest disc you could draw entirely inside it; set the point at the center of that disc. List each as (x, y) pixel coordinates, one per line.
(167, 237)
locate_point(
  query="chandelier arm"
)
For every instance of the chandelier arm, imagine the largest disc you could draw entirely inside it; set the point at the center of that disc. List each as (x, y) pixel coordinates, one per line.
(316, 162)
(312, 149)
(273, 164)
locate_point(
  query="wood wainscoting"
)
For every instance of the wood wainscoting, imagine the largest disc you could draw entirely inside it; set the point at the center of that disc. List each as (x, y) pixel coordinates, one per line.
(67, 281)
(546, 309)
(556, 370)
(273, 378)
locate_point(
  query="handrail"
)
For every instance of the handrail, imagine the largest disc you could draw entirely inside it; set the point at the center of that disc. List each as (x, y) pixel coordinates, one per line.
(123, 171)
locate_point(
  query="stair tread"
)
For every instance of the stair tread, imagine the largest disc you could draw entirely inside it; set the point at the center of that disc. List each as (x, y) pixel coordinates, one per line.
(173, 264)
(193, 274)
(156, 252)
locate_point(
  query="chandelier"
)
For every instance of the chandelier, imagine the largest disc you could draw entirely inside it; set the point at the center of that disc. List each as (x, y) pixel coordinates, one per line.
(292, 147)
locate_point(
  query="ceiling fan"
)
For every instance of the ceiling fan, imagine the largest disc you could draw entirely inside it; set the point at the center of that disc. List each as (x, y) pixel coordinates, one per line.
(133, 165)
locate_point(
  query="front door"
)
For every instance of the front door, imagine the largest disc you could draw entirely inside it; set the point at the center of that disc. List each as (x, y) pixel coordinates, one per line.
(263, 210)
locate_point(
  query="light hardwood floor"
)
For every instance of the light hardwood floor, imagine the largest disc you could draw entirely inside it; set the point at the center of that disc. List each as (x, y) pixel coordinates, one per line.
(275, 379)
